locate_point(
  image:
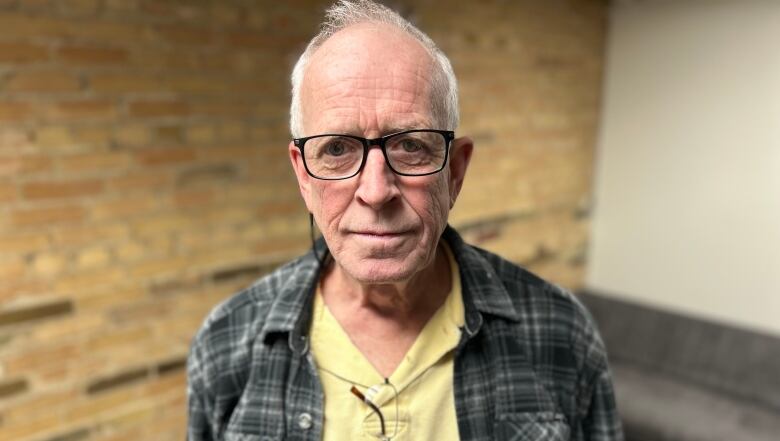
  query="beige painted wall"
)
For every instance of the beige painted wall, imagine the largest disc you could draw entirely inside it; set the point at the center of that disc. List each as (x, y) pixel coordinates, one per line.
(687, 208)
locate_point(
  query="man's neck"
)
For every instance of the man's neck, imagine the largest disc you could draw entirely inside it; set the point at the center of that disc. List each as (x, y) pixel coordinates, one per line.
(383, 320)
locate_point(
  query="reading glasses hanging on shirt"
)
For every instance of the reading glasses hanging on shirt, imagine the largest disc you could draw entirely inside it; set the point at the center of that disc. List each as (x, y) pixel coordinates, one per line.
(408, 153)
(369, 396)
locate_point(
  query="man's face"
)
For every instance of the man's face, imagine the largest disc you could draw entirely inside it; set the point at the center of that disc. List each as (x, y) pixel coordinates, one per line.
(371, 80)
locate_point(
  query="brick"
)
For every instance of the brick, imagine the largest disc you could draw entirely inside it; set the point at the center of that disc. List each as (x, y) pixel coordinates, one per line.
(77, 325)
(44, 216)
(130, 252)
(132, 135)
(123, 209)
(129, 417)
(31, 430)
(79, 55)
(196, 36)
(81, 110)
(147, 109)
(141, 181)
(79, 8)
(55, 136)
(18, 243)
(12, 268)
(93, 134)
(192, 85)
(102, 403)
(207, 175)
(22, 53)
(90, 234)
(124, 83)
(226, 109)
(89, 280)
(201, 134)
(153, 268)
(165, 156)
(14, 111)
(165, 60)
(106, 32)
(167, 135)
(117, 338)
(7, 191)
(226, 14)
(32, 407)
(230, 153)
(62, 189)
(49, 264)
(262, 40)
(16, 166)
(147, 310)
(43, 82)
(182, 11)
(95, 161)
(99, 302)
(15, 139)
(193, 198)
(233, 131)
(92, 258)
(168, 387)
(124, 7)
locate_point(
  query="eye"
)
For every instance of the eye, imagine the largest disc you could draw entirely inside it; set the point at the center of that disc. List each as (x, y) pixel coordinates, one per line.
(411, 145)
(335, 148)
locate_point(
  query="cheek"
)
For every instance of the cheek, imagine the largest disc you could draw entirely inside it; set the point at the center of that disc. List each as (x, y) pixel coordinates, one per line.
(437, 205)
(330, 202)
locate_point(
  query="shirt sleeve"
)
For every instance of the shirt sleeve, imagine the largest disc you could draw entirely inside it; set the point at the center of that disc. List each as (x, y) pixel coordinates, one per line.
(199, 407)
(601, 421)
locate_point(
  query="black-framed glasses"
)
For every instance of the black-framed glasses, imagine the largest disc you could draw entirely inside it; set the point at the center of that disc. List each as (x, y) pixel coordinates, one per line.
(408, 153)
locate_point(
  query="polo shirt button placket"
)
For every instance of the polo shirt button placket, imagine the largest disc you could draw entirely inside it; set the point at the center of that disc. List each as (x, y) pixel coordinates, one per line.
(304, 421)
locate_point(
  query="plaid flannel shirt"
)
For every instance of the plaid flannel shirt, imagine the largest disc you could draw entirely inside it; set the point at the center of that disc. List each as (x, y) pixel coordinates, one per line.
(530, 364)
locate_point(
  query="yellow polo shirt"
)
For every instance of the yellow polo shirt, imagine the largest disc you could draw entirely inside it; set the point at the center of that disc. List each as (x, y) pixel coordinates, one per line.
(418, 404)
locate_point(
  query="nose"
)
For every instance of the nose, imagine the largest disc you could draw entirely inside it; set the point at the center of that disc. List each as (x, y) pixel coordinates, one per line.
(377, 184)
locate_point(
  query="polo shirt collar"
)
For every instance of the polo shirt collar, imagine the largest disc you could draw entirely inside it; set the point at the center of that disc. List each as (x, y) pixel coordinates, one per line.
(483, 292)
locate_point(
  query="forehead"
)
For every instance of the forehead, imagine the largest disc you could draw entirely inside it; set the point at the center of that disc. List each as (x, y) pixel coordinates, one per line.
(368, 78)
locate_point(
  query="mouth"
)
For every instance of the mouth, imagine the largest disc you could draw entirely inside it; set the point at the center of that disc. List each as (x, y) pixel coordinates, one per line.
(380, 234)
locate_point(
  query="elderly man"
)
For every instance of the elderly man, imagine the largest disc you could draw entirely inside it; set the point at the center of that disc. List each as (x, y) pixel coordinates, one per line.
(392, 328)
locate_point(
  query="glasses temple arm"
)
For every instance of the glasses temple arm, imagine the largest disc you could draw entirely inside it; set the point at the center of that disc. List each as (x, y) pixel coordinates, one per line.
(373, 407)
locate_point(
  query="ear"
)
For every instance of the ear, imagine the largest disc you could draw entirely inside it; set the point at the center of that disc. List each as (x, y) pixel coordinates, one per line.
(304, 180)
(460, 156)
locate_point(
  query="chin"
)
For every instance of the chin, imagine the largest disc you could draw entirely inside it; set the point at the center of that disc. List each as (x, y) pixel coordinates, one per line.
(380, 271)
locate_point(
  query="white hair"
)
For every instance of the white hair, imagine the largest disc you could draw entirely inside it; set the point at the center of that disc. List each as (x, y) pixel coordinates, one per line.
(345, 13)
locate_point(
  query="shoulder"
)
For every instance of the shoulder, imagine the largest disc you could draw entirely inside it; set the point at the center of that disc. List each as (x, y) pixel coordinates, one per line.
(554, 320)
(228, 332)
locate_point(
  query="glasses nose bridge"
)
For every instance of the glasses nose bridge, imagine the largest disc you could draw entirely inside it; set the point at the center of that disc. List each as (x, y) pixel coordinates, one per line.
(379, 142)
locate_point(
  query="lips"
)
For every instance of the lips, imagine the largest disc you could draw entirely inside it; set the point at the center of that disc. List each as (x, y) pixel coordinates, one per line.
(380, 233)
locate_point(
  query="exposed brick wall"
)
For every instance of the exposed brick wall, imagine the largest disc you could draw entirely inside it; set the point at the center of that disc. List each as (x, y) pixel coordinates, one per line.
(144, 177)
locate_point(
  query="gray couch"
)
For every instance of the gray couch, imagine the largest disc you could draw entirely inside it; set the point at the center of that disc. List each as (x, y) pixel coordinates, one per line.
(679, 378)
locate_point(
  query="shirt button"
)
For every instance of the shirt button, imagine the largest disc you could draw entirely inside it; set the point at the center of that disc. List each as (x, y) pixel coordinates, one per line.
(304, 421)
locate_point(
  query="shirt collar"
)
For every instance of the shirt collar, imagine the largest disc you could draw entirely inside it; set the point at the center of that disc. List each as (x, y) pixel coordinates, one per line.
(483, 292)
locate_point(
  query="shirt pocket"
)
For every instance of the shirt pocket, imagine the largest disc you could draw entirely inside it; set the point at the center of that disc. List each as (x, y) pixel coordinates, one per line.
(532, 426)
